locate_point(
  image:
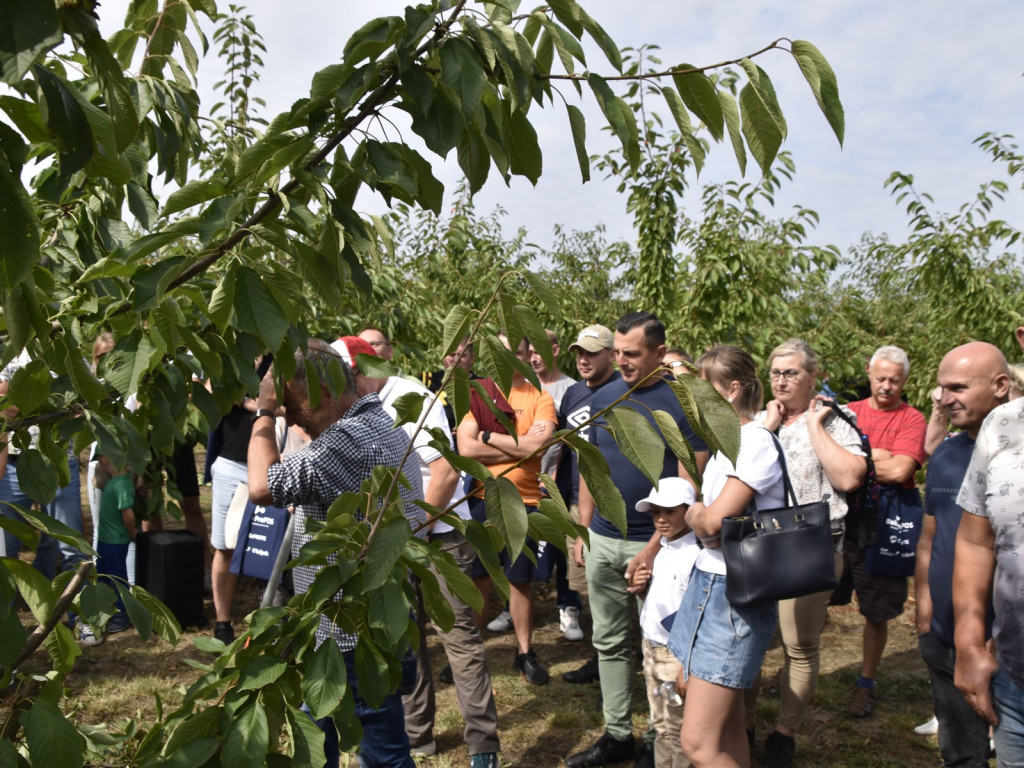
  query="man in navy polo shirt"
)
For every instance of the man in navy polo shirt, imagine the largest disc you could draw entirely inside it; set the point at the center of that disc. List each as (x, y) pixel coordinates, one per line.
(639, 348)
(974, 381)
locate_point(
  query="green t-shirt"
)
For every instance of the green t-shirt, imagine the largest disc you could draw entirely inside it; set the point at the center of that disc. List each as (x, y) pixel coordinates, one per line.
(118, 494)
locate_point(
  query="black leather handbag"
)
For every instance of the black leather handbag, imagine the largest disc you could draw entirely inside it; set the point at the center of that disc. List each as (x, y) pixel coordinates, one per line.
(776, 554)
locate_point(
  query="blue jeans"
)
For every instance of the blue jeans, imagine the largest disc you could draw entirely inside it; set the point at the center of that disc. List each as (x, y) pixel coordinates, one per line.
(65, 507)
(113, 562)
(963, 734)
(1008, 700)
(384, 743)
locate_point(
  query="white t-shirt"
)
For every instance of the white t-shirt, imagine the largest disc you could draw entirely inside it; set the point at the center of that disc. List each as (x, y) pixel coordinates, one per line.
(669, 577)
(397, 386)
(758, 467)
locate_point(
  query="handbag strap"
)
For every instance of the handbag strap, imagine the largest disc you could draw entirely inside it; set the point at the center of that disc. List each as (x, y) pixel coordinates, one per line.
(788, 491)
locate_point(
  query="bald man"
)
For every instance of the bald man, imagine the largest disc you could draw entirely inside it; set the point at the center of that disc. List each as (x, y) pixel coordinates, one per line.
(972, 382)
(988, 571)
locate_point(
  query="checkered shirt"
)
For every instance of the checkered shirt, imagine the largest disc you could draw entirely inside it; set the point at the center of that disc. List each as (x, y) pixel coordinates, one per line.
(337, 462)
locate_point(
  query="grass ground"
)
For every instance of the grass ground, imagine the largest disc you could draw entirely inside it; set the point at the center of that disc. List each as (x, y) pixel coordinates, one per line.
(540, 726)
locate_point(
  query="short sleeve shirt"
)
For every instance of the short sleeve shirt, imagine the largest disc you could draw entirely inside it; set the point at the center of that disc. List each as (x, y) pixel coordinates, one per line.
(630, 481)
(899, 430)
(994, 488)
(808, 477)
(669, 579)
(118, 494)
(758, 467)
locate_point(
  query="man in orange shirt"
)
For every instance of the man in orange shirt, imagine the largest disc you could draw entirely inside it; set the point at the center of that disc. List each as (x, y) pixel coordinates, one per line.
(535, 419)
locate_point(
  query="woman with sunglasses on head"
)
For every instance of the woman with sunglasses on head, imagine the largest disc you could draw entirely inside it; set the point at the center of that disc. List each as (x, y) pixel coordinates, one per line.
(721, 646)
(825, 462)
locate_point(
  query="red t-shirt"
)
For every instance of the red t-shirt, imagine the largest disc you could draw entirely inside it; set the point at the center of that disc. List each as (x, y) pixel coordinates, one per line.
(899, 430)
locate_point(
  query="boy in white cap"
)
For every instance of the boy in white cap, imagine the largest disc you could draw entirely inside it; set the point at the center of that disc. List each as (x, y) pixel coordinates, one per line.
(665, 584)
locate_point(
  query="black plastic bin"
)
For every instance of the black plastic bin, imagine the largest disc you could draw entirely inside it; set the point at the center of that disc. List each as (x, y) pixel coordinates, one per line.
(170, 565)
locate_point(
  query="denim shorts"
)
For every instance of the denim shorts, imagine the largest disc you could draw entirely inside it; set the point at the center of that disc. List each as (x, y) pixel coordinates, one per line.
(718, 642)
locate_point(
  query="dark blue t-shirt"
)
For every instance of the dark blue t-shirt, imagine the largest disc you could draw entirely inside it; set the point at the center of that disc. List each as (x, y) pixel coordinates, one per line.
(946, 470)
(575, 410)
(630, 481)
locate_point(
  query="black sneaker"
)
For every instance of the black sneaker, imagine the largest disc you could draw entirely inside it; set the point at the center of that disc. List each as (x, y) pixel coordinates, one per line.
(778, 751)
(222, 631)
(446, 675)
(645, 758)
(606, 751)
(531, 669)
(588, 673)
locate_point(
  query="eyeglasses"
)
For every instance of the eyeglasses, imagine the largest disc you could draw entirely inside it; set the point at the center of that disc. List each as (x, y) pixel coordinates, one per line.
(674, 364)
(376, 344)
(788, 376)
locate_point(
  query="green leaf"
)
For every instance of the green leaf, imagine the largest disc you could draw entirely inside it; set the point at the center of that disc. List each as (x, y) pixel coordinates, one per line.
(82, 377)
(701, 97)
(142, 205)
(52, 740)
(462, 72)
(442, 126)
(140, 616)
(682, 449)
(493, 358)
(325, 680)
(256, 308)
(459, 584)
(66, 118)
(474, 159)
(682, 118)
(456, 392)
(63, 648)
(307, 739)
(620, 117)
(389, 610)
(116, 90)
(161, 618)
(578, 126)
(456, 328)
(259, 672)
(27, 31)
(712, 417)
(535, 333)
(19, 229)
(731, 112)
(822, 79)
(604, 42)
(385, 550)
(33, 587)
(637, 440)
(192, 194)
(594, 470)
(371, 39)
(38, 479)
(506, 512)
(248, 736)
(763, 125)
(568, 12)
(29, 388)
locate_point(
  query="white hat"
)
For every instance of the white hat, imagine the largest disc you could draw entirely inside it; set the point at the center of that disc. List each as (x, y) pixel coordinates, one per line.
(671, 492)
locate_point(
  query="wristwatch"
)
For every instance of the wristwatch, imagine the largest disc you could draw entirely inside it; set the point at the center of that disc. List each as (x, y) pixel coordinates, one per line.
(261, 412)
(486, 437)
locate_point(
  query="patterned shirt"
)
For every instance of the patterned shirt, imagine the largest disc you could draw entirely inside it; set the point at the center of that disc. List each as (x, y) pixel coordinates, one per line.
(994, 488)
(337, 462)
(810, 483)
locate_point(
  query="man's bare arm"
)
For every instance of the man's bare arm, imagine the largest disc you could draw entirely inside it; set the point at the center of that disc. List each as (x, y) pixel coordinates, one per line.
(263, 450)
(973, 569)
(894, 468)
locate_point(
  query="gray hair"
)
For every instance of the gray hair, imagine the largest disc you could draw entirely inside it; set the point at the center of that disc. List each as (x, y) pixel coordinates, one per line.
(893, 355)
(328, 364)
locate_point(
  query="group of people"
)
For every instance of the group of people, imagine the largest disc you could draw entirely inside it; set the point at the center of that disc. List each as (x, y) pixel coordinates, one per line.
(702, 655)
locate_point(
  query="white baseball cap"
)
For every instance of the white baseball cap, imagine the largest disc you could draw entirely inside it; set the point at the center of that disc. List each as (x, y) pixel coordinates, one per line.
(671, 492)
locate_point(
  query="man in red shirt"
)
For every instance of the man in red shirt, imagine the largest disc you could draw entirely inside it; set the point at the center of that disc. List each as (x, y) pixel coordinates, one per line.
(896, 431)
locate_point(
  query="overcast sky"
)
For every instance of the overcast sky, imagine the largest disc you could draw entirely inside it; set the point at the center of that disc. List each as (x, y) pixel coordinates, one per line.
(918, 80)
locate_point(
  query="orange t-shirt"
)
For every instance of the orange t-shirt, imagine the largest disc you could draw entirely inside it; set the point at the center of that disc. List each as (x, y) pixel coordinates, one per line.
(530, 405)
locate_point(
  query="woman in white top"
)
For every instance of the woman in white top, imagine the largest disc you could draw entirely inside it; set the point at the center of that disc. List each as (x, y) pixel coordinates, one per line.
(825, 462)
(721, 646)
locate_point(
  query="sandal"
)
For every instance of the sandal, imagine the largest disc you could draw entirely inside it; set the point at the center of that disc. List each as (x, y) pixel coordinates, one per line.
(862, 703)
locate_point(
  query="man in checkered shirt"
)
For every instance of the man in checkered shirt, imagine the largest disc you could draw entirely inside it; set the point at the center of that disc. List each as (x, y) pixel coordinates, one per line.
(351, 436)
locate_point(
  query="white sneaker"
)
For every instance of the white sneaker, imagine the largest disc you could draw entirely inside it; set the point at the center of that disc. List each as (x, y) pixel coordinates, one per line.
(929, 728)
(569, 622)
(501, 623)
(86, 635)
(424, 750)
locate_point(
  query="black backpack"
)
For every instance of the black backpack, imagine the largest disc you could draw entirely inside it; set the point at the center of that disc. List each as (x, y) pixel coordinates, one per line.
(862, 503)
